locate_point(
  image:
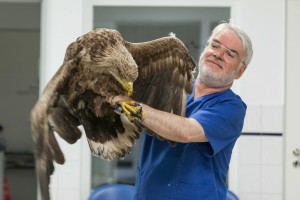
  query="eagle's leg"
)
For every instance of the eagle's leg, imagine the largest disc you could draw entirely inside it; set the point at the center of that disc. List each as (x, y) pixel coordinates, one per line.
(131, 109)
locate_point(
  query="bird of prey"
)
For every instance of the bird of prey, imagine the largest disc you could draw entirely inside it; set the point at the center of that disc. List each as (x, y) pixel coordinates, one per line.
(98, 66)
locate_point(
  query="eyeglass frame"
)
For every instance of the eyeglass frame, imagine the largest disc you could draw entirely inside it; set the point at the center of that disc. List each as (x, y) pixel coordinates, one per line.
(218, 46)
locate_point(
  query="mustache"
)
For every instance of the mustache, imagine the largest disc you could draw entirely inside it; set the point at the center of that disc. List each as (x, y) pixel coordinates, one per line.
(215, 60)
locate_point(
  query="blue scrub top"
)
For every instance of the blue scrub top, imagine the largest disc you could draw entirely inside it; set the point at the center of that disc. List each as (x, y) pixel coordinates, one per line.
(193, 171)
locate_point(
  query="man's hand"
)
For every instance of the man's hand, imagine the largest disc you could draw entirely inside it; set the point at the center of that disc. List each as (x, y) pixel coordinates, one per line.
(132, 109)
(114, 100)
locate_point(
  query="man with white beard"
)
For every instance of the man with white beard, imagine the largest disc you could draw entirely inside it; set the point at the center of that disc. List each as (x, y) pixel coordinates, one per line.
(196, 168)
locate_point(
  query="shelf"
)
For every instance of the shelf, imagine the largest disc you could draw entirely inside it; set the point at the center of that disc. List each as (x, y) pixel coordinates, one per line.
(19, 160)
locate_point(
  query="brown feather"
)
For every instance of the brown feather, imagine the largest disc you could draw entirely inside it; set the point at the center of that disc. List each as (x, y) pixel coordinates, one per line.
(165, 74)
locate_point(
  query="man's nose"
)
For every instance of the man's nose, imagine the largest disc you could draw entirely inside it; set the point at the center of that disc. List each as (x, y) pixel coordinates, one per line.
(219, 53)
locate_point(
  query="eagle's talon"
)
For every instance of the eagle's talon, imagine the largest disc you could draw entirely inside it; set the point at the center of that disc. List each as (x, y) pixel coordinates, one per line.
(131, 109)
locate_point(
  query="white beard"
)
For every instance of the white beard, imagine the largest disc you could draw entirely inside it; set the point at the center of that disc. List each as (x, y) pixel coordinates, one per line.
(211, 79)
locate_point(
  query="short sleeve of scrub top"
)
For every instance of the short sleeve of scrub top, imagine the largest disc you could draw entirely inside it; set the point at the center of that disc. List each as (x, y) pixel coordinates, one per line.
(222, 121)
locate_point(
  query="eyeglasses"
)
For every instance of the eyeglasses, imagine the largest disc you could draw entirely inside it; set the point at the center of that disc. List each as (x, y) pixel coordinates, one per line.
(230, 55)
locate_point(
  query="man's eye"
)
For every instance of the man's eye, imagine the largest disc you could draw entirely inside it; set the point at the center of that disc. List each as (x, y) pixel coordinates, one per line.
(231, 54)
(215, 45)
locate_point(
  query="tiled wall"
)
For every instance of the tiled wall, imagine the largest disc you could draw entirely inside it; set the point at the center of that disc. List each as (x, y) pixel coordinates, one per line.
(72, 179)
(260, 167)
(259, 153)
(60, 181)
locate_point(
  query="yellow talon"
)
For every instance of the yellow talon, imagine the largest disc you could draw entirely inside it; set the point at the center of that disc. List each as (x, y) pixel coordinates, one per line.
(129, 105)
(126, 108)
(131, 109)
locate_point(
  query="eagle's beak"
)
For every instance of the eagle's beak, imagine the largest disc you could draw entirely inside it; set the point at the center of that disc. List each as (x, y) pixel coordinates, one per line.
(128, 86)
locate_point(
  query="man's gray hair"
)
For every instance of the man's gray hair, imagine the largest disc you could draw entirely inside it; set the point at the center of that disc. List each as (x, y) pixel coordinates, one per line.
(246, 41)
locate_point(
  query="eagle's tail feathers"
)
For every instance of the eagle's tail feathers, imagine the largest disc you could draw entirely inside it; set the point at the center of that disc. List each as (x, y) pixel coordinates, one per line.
(116, 148)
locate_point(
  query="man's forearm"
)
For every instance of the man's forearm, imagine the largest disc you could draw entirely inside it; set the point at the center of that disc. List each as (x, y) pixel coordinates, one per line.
(173, 127)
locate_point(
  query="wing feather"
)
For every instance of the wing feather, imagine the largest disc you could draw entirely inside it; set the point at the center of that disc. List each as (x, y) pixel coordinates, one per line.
(47, 149)
(165, 74)
(159, 61)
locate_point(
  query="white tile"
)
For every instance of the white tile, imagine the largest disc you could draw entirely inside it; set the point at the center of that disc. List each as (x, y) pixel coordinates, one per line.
(69, 176)
(247, 196)
(253, 119)
(271, 150)
(271, 197)
(54, 194)
(249, 151)
(54, 178)
(72, 152)
(64, 194)
(249, 179)
(233, 176)
(271, 179)
(272, 118)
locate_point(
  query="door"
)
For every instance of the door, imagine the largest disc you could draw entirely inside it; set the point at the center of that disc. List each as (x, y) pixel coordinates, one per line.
(292, 104)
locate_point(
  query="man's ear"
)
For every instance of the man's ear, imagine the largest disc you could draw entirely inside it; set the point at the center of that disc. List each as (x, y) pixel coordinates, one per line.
(241, 71)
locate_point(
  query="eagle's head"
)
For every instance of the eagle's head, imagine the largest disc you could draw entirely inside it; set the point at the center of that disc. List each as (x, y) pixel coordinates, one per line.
(106, 53)
(127, 71)
(121, 65)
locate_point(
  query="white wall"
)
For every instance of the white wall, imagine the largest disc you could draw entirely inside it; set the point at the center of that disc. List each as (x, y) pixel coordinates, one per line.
(62, 23)
(257, 168)
(265, 22)
(292, 106)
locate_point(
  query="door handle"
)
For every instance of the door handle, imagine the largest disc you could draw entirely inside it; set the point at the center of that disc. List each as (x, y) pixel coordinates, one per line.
(296, 163)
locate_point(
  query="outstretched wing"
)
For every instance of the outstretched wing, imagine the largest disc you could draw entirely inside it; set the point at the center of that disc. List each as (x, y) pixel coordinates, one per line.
(165, 74)
(77, 95)
(47, 148)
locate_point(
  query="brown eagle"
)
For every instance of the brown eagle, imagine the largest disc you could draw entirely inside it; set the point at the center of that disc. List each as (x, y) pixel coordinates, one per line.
(98, 66)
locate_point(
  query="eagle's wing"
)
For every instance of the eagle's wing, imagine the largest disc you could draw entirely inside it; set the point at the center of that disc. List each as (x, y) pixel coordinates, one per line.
(77, 95)
(165, 74)
(47, 148)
